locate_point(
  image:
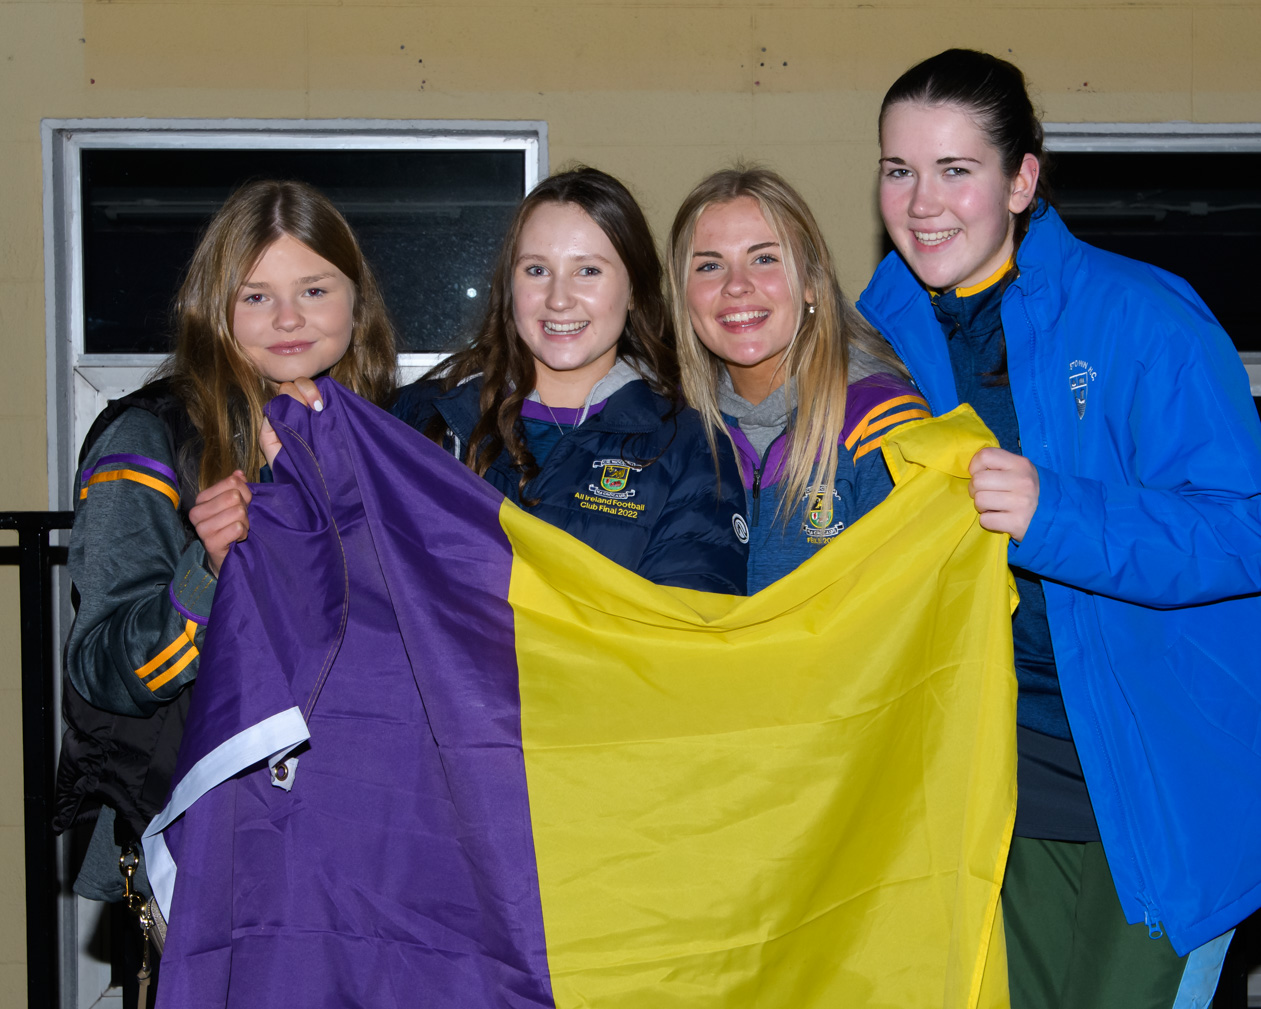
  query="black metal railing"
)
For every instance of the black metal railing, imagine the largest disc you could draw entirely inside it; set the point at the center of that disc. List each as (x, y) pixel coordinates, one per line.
(35, 556)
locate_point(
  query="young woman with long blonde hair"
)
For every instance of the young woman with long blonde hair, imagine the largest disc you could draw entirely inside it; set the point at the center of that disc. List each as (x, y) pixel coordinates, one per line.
(776, 360)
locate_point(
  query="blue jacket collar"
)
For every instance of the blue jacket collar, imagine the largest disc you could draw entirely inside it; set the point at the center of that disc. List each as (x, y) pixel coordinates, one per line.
(899, 307)
(897, 304)
(1046, 260)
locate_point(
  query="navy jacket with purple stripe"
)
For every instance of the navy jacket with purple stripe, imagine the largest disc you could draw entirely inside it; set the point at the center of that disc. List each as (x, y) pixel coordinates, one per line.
(874, 406)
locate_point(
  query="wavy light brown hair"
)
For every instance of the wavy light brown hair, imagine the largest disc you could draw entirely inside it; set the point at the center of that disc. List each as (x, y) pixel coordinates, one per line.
(503, 360)
(222, 390)
(816, 367)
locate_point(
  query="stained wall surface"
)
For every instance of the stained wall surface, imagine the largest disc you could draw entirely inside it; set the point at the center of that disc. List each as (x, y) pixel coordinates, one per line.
(656, 92)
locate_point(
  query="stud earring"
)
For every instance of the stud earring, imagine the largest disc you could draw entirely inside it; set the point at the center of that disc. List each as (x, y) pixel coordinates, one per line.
(810, 308)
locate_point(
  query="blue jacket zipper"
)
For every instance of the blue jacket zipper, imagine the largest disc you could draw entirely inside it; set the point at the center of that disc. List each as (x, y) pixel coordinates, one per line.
(1151, 914)
(1151, 917)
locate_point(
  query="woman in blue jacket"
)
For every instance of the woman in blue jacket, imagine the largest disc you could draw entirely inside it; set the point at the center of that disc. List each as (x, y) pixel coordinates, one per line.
(567, 400)
(1129, 481)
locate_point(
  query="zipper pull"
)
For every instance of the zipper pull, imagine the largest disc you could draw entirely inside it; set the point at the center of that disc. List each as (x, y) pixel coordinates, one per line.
(757, 493)
(1151, 918)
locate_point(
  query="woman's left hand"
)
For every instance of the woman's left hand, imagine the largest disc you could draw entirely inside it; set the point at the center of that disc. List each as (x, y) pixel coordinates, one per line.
(305, 392)
(1004, 489)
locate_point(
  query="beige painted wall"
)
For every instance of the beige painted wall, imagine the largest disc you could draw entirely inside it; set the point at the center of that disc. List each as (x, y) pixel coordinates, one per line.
(657, 92)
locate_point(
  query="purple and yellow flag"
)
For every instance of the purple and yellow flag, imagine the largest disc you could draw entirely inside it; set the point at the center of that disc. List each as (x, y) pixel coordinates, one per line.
(442, 754)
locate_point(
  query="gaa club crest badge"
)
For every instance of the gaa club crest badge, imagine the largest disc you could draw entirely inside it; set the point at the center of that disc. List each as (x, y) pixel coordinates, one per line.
(820, 524)
(615, 478)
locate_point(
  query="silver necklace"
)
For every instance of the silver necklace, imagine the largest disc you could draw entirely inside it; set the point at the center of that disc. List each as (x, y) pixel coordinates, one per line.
(554, 420)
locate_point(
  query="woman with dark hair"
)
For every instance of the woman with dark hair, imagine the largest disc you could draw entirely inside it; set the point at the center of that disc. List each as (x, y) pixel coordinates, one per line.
(568, 398)
(1129, 481)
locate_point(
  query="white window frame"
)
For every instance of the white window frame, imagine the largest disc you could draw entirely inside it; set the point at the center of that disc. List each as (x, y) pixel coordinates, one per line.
(1163, 138)
(80, 384)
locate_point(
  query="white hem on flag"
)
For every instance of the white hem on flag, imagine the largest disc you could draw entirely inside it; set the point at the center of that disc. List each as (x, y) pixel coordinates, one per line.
(265, 741)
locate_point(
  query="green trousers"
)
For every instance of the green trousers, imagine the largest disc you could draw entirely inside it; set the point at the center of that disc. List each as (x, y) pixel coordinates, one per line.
(1068, 944)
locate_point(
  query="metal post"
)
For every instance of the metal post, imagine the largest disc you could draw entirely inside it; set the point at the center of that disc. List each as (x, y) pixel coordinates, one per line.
(34, 558)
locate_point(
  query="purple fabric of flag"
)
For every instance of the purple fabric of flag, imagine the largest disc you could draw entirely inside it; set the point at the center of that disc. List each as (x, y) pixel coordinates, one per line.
(400, 868)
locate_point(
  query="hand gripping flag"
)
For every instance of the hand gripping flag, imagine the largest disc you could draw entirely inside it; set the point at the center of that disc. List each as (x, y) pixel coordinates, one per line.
(442, 754)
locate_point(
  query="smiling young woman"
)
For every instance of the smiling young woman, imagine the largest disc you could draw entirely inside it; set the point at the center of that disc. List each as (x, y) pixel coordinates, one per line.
(740, 300)
(567, 399)
(295, 312)
(948, 202)
(1129, 481)
(781, 366)
(277, 288)
(571, 295)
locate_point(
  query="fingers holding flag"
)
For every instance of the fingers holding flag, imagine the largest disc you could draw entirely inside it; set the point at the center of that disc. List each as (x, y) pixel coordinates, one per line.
(1004, 489)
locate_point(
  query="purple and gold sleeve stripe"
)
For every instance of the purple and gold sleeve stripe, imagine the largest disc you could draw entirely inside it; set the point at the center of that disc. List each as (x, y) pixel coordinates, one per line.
(868, 434)
(164, 482)
(128, 459)
(171, 661)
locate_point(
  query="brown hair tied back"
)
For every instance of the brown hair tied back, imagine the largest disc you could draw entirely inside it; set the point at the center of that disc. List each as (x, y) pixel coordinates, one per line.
(993, 93)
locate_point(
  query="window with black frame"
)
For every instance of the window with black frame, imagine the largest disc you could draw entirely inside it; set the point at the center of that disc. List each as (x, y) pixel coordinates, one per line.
(430, 223)
(1196, 214)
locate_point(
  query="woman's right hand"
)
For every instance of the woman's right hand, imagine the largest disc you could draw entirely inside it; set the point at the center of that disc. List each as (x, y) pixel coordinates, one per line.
(1004, 489)
(221, 517)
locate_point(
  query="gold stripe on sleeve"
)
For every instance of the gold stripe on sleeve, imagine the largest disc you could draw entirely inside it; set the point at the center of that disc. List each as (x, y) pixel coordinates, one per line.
(137, 477)
(897, 418)
(860, 429)
(175, 670)
(162, 656)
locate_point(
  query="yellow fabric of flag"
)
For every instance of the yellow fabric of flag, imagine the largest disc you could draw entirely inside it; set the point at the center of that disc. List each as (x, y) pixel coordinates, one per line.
(799, 799)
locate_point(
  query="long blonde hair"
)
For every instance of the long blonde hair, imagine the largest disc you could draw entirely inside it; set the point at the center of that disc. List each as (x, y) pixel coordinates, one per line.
(816, 367)
(221, 389)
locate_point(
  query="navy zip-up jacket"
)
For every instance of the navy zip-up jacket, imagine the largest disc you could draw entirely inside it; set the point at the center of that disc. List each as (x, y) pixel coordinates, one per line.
(630, 481)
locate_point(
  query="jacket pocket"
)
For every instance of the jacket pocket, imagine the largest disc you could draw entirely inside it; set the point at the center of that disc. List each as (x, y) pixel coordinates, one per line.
(1218, 691)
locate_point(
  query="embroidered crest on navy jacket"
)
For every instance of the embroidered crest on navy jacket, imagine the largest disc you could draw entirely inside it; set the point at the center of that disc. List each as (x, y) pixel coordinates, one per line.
(615, 474)
(818, 525)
